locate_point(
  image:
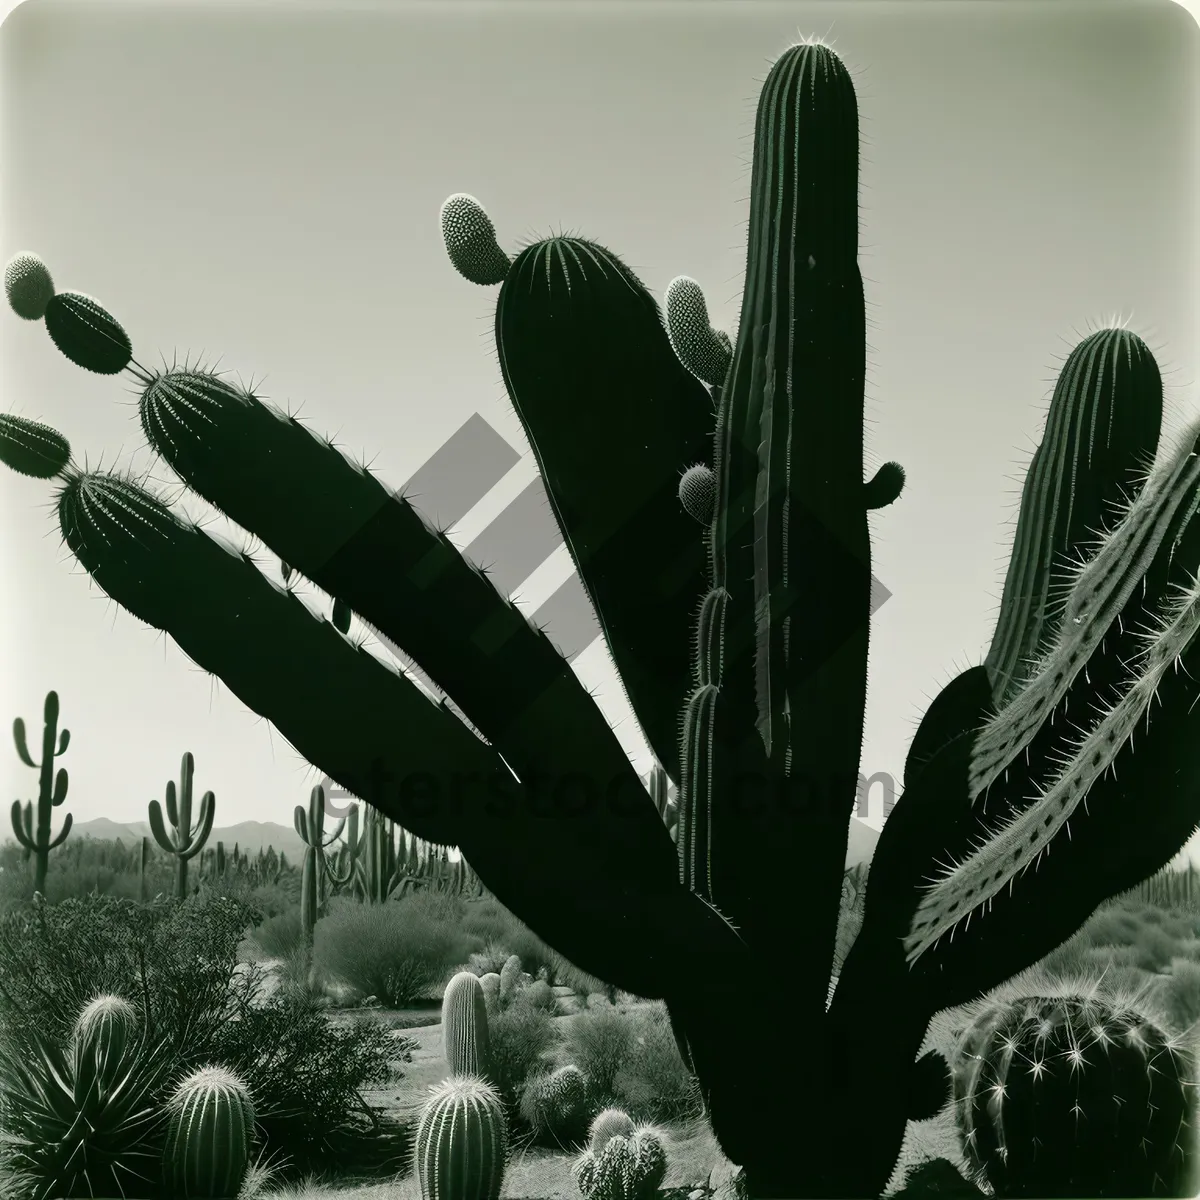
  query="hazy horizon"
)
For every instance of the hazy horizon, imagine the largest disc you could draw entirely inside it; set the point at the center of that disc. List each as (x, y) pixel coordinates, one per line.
(262, 185)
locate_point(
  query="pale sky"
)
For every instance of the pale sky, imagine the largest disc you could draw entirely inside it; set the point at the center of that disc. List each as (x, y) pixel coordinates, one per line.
(262, 183)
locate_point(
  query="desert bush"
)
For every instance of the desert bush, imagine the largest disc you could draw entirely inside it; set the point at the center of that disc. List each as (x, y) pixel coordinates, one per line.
(280, 936)
(600, 1040)
(489, 960)
(556, 1106)
(1179, 993)
(398, 952)
(538, 994)
(653, 1083)
(307, 1077)
(177, 960)
(522, 1038)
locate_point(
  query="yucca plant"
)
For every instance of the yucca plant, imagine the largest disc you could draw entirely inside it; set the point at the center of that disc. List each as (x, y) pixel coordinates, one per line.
(711, 492)
(85, 1118)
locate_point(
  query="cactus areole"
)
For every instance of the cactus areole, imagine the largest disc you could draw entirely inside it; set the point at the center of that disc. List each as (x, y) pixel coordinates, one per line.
(712, 494)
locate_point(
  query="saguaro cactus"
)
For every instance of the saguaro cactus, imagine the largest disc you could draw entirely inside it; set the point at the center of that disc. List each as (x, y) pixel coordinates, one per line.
(32, 826)
(735, 602)
(310, 826)
(183, 839)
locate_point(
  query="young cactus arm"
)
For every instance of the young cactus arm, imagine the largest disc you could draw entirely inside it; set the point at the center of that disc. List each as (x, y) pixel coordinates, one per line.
(335, 522)
(26, 834)
(1099, 444)
(622, 913)
(613, 418)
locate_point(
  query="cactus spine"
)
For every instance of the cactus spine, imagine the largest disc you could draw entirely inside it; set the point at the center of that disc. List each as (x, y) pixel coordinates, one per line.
(209, 1135)
(462, 1141)
(177, 835)
(32, 826)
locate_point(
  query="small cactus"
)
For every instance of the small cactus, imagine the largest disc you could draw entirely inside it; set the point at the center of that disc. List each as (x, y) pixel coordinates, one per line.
(207, 1151)
(698, 493)
(28, 286)
(461, 1141)
(471, 242)
(106, 1026)
(629, 1167)
(490, 983)
(31, 448)
(608, 1124)
(87, 333)
(510, 980)
(885, 486)
(465, 1026)
(705, 351)
(1076, 1093)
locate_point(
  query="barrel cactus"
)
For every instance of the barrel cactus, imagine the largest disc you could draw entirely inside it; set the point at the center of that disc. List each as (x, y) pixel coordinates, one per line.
(465, 1026)
(511, 979)
(462, 1141)
(490, 983)
(106, 1027)
(209, 1135)
(1077, 1093)
(606, 1125)
(629, 1166)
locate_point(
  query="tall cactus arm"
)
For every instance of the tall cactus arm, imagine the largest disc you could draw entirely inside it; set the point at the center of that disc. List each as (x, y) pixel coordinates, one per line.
(1099, 444)
(613, 417)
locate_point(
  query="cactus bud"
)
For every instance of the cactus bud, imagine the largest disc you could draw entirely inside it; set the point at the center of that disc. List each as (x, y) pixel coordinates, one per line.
(28, 286)
(89, 335)
(30, 448)
(471, 241)
(698, 493)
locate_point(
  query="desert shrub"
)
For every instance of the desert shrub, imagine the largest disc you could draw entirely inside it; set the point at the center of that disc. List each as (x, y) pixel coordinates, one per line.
(581, 982)
(177, 960)
(556, 1106)
(280, 936)
(489, 960)
(538, 994)
(600, 1041)
(307, 1076)
(1179, 993)
(397, 951)
(653, 1083)
(522, 1038)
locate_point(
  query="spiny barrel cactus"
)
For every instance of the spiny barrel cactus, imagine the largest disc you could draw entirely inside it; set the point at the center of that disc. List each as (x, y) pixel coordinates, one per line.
(606, 1125)
(209, 1135)
(461, 1142)
(627, 1167)
(1077, 1095)
(31, 825)
(742, 644)
(465, 1026)
(106, 1027)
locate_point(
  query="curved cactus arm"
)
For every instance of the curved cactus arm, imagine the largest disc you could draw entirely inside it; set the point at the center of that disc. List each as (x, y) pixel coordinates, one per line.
(199, 835)
(22, 824)
(62, 833)
(22, 743)
(158, 826)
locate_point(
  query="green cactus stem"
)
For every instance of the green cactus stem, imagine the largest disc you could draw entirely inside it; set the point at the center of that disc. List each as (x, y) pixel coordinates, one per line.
(31, 826)
(209, 1135)
(465, 1026)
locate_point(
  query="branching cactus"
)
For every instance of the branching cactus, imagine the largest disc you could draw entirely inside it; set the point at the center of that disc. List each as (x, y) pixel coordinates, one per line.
(310, 826)
(177, 835)
(711, 491)
(209, 1135)
(606, 1125)
(31, 825)
(465, 1026)
(627, 1166)
(462, 1141)
(1077, 1094)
